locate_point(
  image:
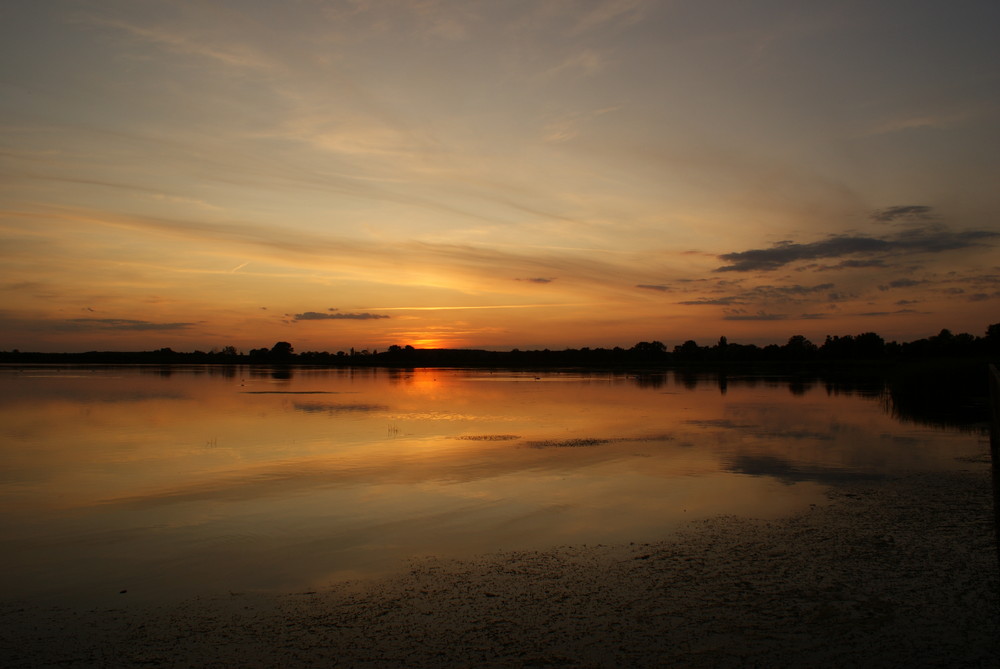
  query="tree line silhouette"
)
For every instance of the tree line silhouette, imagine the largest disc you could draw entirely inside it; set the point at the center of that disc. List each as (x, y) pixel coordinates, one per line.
(864, 347)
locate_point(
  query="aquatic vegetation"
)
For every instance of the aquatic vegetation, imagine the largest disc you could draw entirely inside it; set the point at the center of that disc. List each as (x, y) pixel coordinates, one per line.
(593, 441)
(569, 443)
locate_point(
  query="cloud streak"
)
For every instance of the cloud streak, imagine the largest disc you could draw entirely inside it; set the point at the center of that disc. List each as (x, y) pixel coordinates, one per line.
(122, 324)
(923, 240)
(337, 316)
(901, 283)
(755, 317)
(768, 293)
(905, 212)
(406, 260)
(232, 54)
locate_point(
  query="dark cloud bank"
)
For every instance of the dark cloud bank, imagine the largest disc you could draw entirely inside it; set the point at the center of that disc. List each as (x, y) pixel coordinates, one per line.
(919, 240)
(336, 316)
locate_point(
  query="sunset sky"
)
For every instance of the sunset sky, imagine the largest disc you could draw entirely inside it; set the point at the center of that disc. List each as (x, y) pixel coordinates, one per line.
(495, 174)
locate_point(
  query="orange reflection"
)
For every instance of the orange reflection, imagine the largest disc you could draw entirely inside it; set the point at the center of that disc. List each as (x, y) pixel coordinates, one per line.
(426, 379)
(358, 468)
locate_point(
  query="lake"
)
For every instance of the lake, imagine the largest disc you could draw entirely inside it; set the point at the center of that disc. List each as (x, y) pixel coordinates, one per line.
(169, 482)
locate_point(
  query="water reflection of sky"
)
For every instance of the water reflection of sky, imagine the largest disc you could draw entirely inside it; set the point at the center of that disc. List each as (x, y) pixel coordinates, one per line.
(188, 480)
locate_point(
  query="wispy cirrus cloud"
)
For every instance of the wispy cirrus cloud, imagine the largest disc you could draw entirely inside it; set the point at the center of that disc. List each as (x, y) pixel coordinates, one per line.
(188, 42)
(604, 14)
(587, 62)
(568, 126)
(406, 261)
(909, 121)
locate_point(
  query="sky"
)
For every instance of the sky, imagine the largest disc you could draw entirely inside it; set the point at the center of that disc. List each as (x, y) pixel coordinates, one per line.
(495, 174)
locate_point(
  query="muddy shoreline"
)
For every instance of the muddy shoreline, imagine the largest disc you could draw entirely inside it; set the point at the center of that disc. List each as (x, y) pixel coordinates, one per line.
(895, 573)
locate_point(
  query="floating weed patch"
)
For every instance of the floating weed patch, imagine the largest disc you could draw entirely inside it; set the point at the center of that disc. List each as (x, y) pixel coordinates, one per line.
(288, 392)
(337, 408)
(593, 441)
(723, 423)
(490, 437)
(568, 443)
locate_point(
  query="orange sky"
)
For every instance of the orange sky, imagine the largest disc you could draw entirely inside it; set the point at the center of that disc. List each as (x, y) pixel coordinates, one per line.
(494, 174)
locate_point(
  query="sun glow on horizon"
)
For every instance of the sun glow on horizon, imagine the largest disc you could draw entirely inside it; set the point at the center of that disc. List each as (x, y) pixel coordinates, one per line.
(435, 342)
(635, 173)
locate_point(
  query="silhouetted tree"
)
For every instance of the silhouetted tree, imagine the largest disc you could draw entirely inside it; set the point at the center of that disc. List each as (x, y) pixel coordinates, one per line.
(721, 350)
(991, 342)
(282, 349)
(689, 350)
(650, 349)
(869, 345)
(798, 348)
(943, 339)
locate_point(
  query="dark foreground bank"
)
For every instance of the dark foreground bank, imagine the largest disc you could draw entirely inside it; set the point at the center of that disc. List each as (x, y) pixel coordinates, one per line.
(898, 574)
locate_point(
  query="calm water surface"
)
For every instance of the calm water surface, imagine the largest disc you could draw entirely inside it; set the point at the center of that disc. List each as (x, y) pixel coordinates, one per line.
(193, 480)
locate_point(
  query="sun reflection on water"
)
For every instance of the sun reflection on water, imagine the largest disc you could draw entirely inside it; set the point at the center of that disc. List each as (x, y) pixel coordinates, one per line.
(306, 475)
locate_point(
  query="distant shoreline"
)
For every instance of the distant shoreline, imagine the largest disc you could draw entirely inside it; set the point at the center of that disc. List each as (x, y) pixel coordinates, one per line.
(943, 391)
(599, 359)
(866, 349)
